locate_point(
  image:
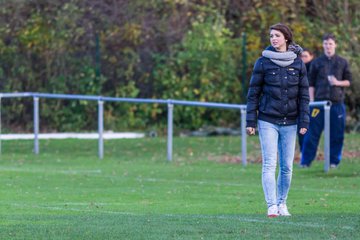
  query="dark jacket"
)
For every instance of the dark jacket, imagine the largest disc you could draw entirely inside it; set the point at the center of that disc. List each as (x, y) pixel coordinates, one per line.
(307, 65)
(323, 66)
(279, 95)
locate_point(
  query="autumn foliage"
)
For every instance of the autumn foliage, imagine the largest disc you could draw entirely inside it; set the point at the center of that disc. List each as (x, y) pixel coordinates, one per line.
(179, 49)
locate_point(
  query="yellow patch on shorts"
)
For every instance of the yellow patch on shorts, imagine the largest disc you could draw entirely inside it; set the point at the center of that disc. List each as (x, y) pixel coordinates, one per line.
(315, 112)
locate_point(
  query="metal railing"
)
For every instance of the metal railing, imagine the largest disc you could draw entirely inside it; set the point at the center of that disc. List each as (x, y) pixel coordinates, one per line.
(170, 106)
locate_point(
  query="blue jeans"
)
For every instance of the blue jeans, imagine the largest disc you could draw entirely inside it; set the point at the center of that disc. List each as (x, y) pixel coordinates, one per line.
(276, 140)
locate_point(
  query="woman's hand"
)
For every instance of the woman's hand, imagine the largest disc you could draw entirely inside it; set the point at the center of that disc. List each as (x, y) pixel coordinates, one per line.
(302, 131)
(250, 131)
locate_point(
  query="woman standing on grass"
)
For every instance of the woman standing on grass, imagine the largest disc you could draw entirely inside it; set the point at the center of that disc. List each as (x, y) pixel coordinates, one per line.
(278, 100)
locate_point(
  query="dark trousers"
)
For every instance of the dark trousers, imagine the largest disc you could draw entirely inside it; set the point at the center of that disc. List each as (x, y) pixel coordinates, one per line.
(312, 137)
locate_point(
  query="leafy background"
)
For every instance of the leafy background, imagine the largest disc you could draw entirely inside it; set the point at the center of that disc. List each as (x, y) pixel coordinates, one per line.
(179, 49)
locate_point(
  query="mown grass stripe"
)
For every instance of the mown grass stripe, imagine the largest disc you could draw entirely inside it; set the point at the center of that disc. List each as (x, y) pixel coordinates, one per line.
(193, 216)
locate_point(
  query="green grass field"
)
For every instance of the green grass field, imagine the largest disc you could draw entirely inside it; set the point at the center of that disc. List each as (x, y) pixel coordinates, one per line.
(66, 192)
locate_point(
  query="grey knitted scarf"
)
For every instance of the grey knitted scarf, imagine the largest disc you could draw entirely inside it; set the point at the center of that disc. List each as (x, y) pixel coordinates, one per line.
(282, 59)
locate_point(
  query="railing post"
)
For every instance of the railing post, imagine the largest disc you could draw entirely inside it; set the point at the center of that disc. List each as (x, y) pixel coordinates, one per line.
(243, 137)
(101, 128)
(0, 126)
(36, 125)
(327, 137)
(170, 131)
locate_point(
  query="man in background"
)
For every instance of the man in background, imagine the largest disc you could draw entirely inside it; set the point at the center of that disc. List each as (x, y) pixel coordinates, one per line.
(329, 74)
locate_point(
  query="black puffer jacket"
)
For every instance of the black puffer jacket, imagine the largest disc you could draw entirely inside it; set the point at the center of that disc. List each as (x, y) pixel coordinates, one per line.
(279, 95)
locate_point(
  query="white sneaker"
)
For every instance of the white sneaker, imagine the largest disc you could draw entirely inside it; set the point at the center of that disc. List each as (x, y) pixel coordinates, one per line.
(283, 211)
(273, 211)
(333, 165)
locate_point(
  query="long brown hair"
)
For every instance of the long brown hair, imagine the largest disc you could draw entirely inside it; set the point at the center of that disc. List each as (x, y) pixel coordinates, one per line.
(284, 30)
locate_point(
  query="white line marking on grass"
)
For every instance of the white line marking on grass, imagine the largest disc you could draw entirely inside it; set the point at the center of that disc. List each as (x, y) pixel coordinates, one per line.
(95, 171)
(324, 190)
(92, 204)
(62, 208)
(195, 182)
(193, 216)
(243, 184)
(39, 170)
